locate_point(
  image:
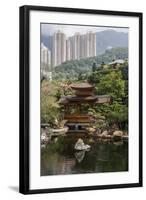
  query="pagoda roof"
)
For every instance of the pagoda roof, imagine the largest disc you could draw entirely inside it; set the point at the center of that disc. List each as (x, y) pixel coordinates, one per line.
(76, 98)
(78, 86)
(99, 99)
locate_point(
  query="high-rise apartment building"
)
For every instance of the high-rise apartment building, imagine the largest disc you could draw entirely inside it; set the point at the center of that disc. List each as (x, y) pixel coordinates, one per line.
(58, 48)
(90, 44)
(45, 58)
(68, 49)
(76, 47)
(84, 46)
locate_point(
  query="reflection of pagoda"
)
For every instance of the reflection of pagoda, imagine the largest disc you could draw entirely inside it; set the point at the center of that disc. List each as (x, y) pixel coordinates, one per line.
(74, 106)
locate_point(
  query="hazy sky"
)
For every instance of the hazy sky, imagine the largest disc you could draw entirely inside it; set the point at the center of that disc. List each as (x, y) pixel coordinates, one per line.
(49, 29)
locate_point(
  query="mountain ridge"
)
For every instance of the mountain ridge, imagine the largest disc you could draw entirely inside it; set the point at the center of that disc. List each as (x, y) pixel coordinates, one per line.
(104, 39)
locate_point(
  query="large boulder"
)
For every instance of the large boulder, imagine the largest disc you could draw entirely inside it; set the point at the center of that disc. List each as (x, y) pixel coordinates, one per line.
(118, 133)
(104, 133)
(98, 131)
(91, 129)
(44, 138)
(81, 146)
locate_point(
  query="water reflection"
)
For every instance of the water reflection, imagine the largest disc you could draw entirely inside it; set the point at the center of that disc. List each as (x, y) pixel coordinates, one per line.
(59, 157)
(80, 155)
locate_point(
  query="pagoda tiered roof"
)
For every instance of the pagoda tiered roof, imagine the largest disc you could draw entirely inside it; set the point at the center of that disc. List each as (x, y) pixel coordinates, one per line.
(84, 93)
(97, 99)
(83, 89)
(81, 86)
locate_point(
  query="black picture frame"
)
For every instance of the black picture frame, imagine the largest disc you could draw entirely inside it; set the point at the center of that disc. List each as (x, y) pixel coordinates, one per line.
(25, 104)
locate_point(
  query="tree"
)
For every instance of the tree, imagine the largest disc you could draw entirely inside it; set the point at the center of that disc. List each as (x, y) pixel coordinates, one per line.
(113, 85)
(73, 68)
(49, 105)
(49, 109)
(94, 67)
(118, 115)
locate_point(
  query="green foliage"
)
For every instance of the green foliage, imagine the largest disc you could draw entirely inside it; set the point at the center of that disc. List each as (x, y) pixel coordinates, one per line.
(49, 105)
(107, 81)
(94, 67)
(71, 69)
(118, 115)
(112, 84)
(99, 120)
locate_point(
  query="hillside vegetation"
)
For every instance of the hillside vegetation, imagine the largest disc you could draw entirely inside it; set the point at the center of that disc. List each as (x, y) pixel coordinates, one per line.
(74, 68)
(107, 80)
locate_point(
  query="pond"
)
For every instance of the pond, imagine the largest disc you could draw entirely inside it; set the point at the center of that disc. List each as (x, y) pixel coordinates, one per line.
(59, 156)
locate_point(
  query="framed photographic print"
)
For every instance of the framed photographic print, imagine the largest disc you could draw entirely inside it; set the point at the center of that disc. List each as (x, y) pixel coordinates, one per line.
(80, 99)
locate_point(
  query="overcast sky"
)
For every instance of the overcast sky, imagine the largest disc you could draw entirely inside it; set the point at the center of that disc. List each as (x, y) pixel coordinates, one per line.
(49, 29)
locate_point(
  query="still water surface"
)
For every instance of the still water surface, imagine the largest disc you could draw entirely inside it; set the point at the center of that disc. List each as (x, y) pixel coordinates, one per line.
(59, 156)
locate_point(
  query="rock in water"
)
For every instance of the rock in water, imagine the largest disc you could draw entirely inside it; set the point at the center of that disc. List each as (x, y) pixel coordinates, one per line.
(104, 133)
(118, 133)
(81, 146)
(43, 146)
(44, 138)
(80, 155)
